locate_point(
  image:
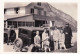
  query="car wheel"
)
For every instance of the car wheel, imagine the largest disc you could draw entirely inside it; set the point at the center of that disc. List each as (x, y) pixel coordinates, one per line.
(18, 43)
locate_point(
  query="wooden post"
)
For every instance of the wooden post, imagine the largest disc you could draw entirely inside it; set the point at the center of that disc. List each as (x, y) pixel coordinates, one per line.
(6, 24)
(17, 24)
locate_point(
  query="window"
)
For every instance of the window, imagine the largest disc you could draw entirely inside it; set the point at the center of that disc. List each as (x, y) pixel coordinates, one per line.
(29, 24)
(23, 23)
(39, 3)
(53, 23)
(23, 31)
(17, 10)
(26, 24)
(32, 10)
(9, 23)
(19, 24)
(45, 13)
(15, 24)
(5, 11)
(39, 12)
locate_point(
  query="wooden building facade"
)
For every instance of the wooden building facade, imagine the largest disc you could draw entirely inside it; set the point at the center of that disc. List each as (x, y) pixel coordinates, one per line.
(35, 15)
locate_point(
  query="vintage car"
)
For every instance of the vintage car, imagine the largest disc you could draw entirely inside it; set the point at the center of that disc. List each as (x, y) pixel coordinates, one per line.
(26, 37)
(11, 33)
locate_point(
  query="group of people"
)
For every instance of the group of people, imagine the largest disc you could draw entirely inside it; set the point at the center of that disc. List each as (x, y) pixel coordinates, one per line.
(61, 38)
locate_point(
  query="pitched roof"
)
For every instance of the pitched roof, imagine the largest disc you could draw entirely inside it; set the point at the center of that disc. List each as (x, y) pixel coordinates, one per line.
(14, 16)
(12, 5)
(60, 14)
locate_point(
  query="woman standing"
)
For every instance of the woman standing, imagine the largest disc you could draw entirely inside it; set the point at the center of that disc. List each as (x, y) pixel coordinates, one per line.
(56, 33)
(62, 40)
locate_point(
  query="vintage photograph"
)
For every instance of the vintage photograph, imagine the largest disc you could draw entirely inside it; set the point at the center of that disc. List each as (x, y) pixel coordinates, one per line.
(40, 27)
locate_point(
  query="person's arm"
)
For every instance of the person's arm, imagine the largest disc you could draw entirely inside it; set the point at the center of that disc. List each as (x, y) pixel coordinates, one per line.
(42, 36)
(70, 32)
(34, 40)
(42, 40)
(64, 37)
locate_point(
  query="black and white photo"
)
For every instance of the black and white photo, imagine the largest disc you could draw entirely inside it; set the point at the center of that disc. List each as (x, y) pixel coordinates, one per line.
(40, 27)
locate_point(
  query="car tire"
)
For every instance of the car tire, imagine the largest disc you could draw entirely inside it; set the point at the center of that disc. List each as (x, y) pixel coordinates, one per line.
(18, 43)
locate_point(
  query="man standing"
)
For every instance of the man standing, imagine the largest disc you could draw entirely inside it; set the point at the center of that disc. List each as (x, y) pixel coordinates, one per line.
(68, 35)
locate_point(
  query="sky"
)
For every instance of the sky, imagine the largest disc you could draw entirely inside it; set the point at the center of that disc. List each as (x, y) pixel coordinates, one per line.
(69, 8)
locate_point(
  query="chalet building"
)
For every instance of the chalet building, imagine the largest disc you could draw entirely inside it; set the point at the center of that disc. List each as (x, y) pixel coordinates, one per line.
(36, 14)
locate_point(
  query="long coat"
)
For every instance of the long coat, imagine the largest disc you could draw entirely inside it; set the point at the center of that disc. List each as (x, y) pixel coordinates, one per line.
(68, 34)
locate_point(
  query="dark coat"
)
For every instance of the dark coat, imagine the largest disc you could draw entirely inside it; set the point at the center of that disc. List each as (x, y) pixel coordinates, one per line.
(68, 36)
(68, 31)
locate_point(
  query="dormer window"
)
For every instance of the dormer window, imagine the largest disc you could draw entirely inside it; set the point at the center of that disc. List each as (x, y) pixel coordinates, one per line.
(39, 3)
(17, 10)
(5, 11)
(32, 10)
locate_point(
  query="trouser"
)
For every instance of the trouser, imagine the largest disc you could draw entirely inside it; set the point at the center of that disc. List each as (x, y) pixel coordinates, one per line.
(68, 42)
(51, 44)
(55, 45)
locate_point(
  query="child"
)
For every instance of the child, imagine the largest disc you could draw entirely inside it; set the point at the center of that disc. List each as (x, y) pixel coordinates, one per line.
(62, 40)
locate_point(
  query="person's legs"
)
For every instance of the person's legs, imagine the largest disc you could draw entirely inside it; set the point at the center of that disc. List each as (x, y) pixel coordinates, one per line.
(51, 45)
(69, 42)
(66, 41)
(64, 47)
(60, 45)
(55, 45)
(34, 49)
(48, 43)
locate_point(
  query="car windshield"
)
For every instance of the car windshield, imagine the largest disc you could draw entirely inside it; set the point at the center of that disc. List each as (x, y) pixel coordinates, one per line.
(23, 31)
